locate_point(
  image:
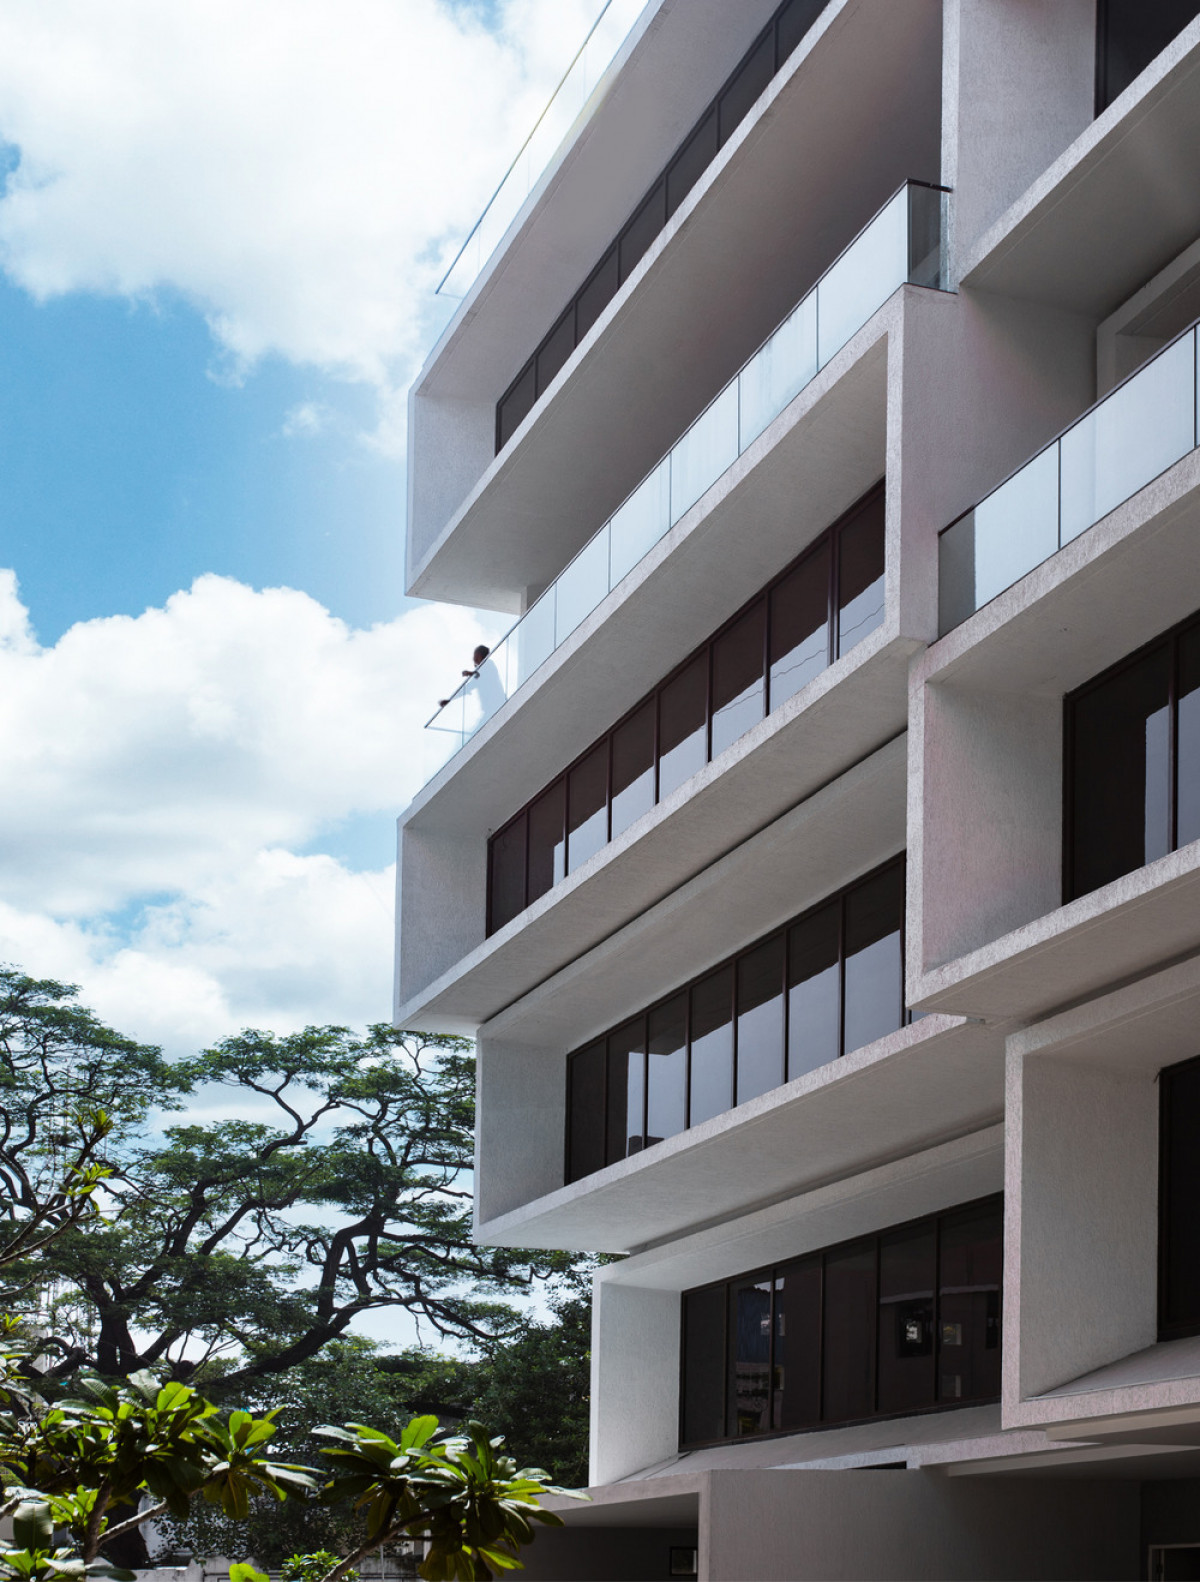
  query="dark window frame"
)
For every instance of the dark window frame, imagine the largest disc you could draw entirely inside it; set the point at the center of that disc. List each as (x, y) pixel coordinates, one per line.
(771, 28)
(829, 539)
(1172, 640)
(1180, 1328)
(1103, 96)
(730, 963)
(772, 1272)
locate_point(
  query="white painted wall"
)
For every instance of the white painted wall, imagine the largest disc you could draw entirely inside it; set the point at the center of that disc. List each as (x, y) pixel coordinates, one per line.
(635, 1405)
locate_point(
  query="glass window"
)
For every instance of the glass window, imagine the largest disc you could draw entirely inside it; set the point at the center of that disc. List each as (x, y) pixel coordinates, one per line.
(1120, 783)
(814, 991)
(1187, 741)
(547, 840)
(712, 1047)
(642, 229)
(972, 1255)
(848, 1371)
(760, 1020)
(800, 626)
(507, 856)
(907, 1275)
(794, 22)
(860, 575)
(683, 726)
(751, 77)
(516, 406)
(738, 691)
(587, 1111)
(596, 294)
(797, 1369)
(626, 1089)
(555, 350)
(1179, 1206)
(692, 160)
(749, 1358)
(1129, 34)
(633, 768)
(874, 988)
(704, 1365)
(587, 807)
(666, 1076)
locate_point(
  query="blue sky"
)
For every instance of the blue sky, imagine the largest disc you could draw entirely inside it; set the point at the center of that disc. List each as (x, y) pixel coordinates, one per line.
(220, 229)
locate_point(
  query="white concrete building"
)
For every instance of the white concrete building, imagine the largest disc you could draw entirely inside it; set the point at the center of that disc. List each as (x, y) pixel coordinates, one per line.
(816, 862)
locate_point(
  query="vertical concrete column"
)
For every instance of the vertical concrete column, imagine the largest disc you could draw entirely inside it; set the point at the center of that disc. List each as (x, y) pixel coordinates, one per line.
(1081, 1200)
(635, 1379)
(1019, 87)
(521, 1113)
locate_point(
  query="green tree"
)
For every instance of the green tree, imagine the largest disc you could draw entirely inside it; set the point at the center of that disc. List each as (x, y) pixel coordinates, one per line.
(239, 1248)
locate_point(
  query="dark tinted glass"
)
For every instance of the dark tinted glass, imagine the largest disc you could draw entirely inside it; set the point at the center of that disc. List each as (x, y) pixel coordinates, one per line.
(749, 1357)
(587, 807)
(666, 1079)
(683, 726)
(907, 1272)
(794, 22)
(597, 294)
(972, 1259)
(737, 677)
(626, 1089)
(1130, 33)
(860, 575)
(1179, 1248)
(874, 989)
(704, 1365)
(633, 768)
(587, 1111)
(1187, 741)
(507, 857)
(800, 626)
(752, 77)
(760, 1020)
(712, 1046)
(814, 991)
(797, 1372)
(547, 840)
(642, 230)
(1119, 774)
(555, 350)
(516, 406)
(691, 162)
(848, 1383)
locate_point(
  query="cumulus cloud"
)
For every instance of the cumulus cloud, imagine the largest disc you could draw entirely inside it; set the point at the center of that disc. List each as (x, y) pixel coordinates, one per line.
(300, 170)
(162, 773)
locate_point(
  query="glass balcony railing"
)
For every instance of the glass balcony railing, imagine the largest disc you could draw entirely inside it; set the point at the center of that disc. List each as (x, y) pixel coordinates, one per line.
(903, 244)
(553, 126)
(1141, 428)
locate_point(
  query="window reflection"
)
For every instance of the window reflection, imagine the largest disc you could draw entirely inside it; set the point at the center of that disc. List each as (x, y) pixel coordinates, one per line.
(1133, 762)
(780, 640)
(723, 1039)
(906, 1320)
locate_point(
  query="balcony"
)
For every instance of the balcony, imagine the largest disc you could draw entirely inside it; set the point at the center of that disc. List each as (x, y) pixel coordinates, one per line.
(1136, 433)
(903, 244)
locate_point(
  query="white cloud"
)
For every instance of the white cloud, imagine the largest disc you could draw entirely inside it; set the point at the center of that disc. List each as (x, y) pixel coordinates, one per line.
(171, 765)
(301, 170)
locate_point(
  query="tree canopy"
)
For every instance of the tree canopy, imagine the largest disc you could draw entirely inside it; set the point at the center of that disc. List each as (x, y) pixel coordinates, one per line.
(238, 1248)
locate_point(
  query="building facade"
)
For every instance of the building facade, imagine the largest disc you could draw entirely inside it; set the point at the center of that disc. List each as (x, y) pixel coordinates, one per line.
(817, 860)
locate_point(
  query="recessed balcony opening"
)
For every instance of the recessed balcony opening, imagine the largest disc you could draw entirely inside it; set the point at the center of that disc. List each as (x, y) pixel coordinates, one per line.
(829, 983)
(1132, 763)
(816, 611)
(888, 1325)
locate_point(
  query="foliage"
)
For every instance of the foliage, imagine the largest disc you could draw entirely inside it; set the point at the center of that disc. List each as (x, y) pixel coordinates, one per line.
(67, 1465)
(237, 1249)
(312, 1567)
(62, 1074)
